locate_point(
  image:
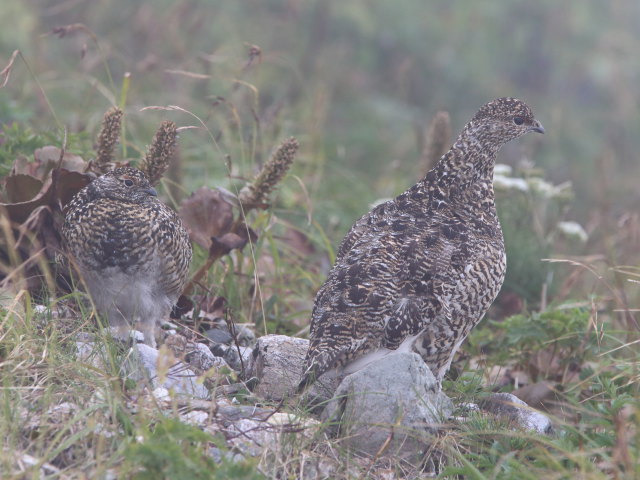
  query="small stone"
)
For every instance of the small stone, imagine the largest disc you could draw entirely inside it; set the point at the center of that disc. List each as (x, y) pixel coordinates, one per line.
(218, 455)
(40, 309)
(252, 436)
(219, 335)
(89, 353)
(200, 357)
(142, 364)
(512, 408)
(195, 417)
(161, 394)
(245, 335)
(231, 413)
(230, 355)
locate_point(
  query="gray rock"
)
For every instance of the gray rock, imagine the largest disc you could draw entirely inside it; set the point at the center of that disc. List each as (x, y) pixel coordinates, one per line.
(250, 437)
(254, 436)
(142, 363)
(228, 455)
(509, 406)
(395, 399)
(230, 355)
(229, 414)
(87, 352)
(219, 335)
(243, 332)
(276, 364)
(200, 357)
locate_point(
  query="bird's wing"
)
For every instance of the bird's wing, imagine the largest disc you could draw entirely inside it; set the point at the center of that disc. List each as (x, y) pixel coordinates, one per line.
(426, 282)
(383, 288)
(367, 225)
(175, 245)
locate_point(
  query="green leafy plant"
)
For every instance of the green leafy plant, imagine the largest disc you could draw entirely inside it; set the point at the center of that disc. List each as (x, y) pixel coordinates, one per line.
(564, 332)
(532, 212)
(17, 139)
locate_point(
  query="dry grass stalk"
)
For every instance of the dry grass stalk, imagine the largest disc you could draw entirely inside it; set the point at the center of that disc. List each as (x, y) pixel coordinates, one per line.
(108, 138)
(160, 152)
(256, 193)
(437, 142)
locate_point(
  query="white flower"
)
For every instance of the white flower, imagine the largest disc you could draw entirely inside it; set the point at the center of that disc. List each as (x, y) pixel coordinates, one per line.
(549, 190)
(573, 229)
(502, 169)
(542, 187)
(507, 183)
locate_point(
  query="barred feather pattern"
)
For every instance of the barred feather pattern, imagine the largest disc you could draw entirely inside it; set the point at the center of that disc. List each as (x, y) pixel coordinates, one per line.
(130, 249)
(417, 273)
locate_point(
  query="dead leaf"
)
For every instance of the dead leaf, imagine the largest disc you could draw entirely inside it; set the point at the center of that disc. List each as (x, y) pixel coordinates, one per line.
(44, 160)
(69, 183)
(206, 214)
(536, 394)
(61, 187)
(21, 188)
(49, 156)
(220, 246)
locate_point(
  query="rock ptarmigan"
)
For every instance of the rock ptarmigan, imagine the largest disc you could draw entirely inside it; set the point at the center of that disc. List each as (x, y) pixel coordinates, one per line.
(417, 273)
(130, 249)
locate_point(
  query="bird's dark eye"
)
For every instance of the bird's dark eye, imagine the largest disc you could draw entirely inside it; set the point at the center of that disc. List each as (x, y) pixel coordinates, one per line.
(518, 120)
(128, 182)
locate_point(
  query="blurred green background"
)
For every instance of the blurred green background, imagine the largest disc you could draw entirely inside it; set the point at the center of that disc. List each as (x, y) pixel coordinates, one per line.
(355, 81)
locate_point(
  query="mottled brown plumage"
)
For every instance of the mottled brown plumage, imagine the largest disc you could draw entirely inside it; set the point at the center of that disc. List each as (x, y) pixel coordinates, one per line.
(130, 249)
(417, 273)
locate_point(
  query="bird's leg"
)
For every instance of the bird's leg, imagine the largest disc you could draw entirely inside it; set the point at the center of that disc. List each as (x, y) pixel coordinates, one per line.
(118, 325)
(148, 328)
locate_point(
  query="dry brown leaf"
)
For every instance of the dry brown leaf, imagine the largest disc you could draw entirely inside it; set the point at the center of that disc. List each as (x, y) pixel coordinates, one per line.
(536, 394)
(206, 214)
(61, 187)
(220, 246)
(21, 188)
(47, 158)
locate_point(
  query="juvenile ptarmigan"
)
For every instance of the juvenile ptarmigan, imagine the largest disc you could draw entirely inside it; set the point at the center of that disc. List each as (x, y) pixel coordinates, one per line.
(131, 250)
(417, 273)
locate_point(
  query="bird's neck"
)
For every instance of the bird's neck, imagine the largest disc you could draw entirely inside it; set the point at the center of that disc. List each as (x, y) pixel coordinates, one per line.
(470, 160)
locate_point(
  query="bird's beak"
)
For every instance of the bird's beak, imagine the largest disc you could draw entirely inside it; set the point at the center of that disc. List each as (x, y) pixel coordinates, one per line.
(152, 191)
(536, 127)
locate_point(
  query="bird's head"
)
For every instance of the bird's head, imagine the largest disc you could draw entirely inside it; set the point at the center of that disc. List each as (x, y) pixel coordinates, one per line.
(505, 119)
(126, 183)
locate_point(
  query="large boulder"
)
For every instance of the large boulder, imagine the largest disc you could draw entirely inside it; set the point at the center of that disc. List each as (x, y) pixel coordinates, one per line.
(394, 400)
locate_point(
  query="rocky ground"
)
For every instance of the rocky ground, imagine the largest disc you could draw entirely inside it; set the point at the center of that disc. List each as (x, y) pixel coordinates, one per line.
(242, 387)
